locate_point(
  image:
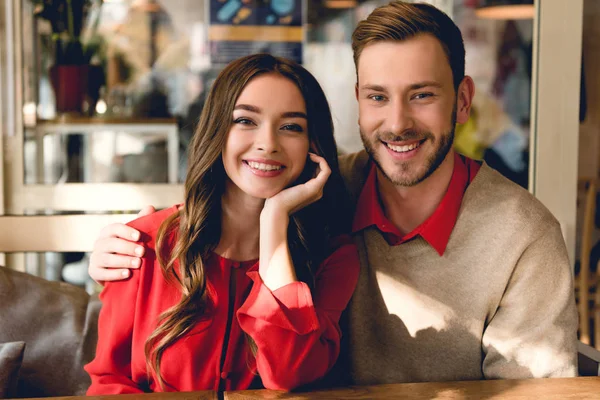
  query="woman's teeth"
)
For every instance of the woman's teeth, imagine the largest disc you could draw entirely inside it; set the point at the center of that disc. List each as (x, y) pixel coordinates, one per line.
(263, 167)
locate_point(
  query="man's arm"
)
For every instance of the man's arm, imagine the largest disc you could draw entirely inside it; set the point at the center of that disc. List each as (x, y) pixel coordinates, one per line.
(116, 251)
(534, 330)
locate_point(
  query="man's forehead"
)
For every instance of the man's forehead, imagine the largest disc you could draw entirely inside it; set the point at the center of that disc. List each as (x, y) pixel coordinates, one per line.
(421, 58)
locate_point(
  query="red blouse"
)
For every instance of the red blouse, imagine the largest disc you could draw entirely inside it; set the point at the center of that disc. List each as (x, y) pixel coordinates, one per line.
(296, 332)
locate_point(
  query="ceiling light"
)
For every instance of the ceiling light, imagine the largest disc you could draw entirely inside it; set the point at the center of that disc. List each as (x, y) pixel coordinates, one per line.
(505, 9)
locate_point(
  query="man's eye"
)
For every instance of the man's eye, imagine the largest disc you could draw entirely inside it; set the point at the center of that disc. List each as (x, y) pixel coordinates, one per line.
(377, 97)
(421, 96)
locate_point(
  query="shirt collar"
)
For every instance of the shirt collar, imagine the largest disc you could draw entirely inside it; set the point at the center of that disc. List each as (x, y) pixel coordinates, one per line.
(436, 229)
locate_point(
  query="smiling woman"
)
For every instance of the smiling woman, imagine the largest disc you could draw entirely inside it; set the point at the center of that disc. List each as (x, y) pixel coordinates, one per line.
(247, 278)
(268, 138)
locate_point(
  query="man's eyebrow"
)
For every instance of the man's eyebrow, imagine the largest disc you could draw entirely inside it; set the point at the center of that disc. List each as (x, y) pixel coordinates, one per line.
(414, 86)
(424, 84)
(375, 88)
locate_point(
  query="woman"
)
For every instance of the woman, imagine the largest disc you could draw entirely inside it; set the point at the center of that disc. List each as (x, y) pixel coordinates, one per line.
(246, 280)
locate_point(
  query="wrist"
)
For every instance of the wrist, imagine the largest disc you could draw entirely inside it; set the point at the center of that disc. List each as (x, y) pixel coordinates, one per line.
(274, 217)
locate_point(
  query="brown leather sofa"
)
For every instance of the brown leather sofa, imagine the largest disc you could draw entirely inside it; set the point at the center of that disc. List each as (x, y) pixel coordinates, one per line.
(58, 323)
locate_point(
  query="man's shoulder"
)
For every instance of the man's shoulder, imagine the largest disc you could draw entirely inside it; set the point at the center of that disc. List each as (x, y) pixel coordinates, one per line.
(491, 192)
(353, 162)
(354, 169)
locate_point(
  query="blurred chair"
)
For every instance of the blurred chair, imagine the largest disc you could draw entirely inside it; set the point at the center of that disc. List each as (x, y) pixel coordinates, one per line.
(588, 360)
(586, 280)
(55, 233)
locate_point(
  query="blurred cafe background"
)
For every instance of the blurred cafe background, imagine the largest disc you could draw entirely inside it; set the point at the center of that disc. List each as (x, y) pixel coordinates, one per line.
(99, 100)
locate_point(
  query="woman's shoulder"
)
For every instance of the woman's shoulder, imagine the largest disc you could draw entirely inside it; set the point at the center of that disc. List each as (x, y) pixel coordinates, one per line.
(148, 225)
(341, 247)
(343, 256)
(340, 241)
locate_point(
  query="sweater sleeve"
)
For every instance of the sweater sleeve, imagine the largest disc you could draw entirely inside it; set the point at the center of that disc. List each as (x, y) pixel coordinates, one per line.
(297, 332)
(533, 332)
(110, 371)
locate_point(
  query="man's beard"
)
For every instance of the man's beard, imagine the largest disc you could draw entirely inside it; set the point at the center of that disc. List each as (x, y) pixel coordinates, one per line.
(443, 146)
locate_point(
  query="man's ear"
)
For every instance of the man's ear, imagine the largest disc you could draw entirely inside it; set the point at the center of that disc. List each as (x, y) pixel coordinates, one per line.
(356, 94)
(464, 99)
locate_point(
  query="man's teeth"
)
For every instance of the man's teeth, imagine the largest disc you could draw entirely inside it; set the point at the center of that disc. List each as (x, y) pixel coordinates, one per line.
(403, 149)
(264, 167)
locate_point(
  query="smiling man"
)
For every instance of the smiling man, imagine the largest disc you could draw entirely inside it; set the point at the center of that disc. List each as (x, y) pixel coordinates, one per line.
(464, 274)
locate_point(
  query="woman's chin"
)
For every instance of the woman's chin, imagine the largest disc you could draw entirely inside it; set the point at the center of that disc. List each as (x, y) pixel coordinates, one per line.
(262, 193)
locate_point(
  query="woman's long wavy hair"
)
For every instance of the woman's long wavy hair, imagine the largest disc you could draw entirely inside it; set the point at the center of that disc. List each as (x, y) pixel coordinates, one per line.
(186, 239)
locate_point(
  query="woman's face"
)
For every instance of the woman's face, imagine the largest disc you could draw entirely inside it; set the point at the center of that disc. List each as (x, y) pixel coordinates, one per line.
(267, 144)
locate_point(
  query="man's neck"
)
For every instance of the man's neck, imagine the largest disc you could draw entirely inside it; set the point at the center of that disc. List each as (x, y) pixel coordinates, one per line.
(409, 207)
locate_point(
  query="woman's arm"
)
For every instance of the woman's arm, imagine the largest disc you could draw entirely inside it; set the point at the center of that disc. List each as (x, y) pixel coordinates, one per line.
(297, 332)
(110, 370)
(275, 261)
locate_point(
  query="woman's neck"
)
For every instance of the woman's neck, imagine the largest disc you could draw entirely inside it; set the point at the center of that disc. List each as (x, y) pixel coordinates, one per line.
(240, 221)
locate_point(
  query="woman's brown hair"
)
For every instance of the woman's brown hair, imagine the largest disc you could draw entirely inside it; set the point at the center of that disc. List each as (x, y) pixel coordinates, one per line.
(186, 239)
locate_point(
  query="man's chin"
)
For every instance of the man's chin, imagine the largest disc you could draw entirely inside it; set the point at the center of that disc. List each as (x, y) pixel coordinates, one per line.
(403, 179)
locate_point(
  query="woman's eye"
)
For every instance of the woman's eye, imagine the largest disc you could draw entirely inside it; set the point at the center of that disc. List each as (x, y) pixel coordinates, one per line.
(243, 121)
(292, 127)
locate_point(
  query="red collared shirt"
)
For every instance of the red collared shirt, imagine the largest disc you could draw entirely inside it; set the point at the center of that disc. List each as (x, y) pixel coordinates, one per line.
(437, 228)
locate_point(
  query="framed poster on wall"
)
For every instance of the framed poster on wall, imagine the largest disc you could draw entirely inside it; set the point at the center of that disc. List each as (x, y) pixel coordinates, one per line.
(242, 27)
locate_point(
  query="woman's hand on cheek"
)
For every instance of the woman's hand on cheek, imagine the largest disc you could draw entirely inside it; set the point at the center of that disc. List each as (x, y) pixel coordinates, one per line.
(276, 266)
(294, 198)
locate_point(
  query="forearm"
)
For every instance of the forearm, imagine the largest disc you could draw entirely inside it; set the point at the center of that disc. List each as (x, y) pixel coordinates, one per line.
(296, 342)
(287, 359)
(276, 267)
(297, 331)
(534, 331)
(112, 384)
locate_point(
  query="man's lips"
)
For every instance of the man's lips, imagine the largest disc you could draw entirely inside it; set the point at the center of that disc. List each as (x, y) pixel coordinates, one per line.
(405, 146)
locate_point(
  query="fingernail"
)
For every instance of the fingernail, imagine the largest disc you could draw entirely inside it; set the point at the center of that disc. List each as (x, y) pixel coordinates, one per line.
(139, 251)
(135, 262)
(125, 273)
(135, 236)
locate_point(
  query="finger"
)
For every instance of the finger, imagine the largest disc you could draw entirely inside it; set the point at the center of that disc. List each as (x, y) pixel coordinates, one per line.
(322, 163)
(111, 267)
(118, 246)
(113, 261)
(108, 275)
(120, 231)
(146, 211)
(324, 172)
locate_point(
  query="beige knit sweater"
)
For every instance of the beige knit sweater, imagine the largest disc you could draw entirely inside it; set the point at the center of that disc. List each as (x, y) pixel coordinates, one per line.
(498, 304)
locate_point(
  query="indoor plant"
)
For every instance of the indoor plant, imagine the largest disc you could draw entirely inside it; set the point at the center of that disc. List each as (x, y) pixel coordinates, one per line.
(75, 42)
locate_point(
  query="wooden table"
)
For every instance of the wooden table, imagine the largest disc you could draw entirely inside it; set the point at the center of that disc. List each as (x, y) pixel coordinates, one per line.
(203, 395)
(542, 389)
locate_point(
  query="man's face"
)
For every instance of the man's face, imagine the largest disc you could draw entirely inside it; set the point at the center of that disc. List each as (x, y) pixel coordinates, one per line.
(408, 107)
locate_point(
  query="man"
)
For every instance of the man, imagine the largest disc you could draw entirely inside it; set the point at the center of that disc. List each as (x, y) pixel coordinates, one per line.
(464, 274)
